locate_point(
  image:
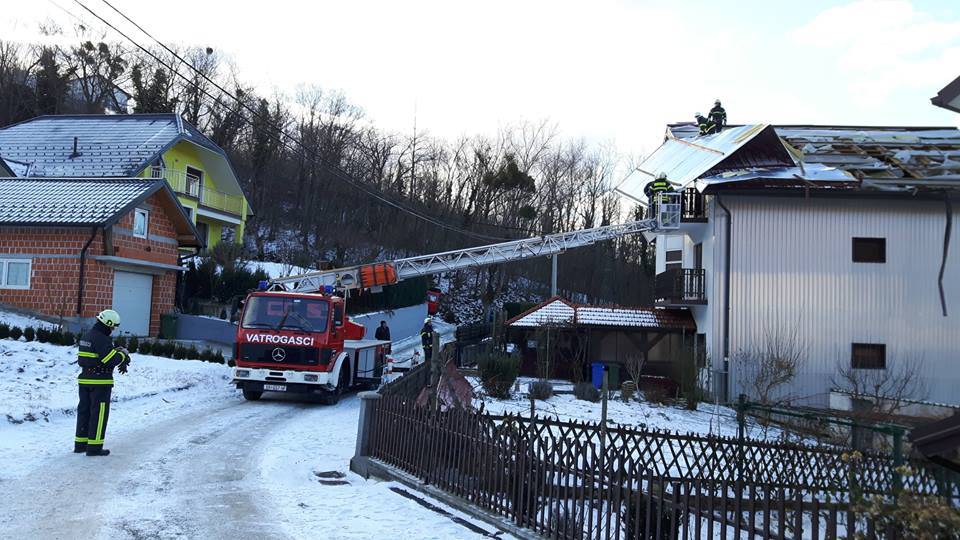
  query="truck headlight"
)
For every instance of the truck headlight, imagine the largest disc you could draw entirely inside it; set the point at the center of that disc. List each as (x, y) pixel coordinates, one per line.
(243, 373)
(311, 378)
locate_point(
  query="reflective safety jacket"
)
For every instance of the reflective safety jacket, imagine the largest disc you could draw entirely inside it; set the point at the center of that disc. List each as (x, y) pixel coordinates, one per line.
(719, 116)
(98, 357)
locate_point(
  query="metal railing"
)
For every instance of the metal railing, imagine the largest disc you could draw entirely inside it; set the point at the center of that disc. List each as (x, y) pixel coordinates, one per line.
(687, 206)
(681, 286)
(187, 184)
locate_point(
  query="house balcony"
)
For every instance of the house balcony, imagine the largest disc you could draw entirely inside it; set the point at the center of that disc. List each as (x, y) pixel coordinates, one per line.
(680, 287)
(192, 186)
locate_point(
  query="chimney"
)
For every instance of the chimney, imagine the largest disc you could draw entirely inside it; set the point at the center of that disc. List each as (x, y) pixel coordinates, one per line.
(75, 152)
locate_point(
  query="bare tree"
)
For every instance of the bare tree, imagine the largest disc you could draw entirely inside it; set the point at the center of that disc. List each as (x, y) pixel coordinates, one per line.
(770, 364)
(880, 393)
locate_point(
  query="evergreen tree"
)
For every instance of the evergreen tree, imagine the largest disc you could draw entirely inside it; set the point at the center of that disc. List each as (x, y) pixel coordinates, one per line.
(51, 83)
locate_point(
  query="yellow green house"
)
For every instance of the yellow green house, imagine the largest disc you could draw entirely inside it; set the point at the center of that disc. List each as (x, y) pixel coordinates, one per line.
(134, 145)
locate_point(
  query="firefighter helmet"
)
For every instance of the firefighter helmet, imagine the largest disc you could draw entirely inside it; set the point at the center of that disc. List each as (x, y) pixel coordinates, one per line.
(109, 318)
(662, 176)
(716, 102)
(428, 320)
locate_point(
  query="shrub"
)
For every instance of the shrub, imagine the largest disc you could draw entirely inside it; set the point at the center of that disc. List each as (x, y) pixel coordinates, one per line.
(586, 392)
(541, 390)
(627, 390)
(29, 333)
(144, 348)
(56, 337)
(67, 338)
(43, 335)
(218, 357)
(120, 341)
(207, 355)
(192, 352)
(15, 333)
(163, 348)
(133, 344)
(4, 331)
(498, 373)
(179, 352)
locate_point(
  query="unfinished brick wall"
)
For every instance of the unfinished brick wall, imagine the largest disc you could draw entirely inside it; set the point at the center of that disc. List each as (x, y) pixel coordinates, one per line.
(54, 279)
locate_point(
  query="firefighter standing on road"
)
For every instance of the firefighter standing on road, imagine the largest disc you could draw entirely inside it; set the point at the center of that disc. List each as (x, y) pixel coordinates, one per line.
(97, 358)
(426, 338)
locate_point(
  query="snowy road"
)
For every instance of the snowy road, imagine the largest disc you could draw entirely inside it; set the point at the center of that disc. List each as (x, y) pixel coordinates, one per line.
(213, 469)
(190, 459)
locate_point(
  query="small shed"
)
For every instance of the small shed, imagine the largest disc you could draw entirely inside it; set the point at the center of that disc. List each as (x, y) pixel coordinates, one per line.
(574, 336)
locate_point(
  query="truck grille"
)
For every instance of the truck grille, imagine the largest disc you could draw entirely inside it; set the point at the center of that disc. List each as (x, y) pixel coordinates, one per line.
(269, 354)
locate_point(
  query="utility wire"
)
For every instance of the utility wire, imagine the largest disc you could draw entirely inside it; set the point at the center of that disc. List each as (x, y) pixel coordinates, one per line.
(337, 172)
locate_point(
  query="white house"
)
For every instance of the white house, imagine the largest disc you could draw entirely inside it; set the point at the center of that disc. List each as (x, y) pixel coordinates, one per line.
(833, 240)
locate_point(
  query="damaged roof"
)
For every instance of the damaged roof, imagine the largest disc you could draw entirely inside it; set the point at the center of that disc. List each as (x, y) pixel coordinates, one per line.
(949, 97)
(559, 311)
(683, 159)
(868, 151)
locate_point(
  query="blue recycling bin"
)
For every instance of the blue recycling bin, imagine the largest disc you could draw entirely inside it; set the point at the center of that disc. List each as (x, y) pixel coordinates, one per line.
(596, 374)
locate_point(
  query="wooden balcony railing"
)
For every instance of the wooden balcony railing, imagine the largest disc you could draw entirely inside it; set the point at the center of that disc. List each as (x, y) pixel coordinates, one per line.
(680, 286)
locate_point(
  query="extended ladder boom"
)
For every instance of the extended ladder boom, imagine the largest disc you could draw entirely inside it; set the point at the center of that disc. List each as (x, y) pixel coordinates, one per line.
(379, 274)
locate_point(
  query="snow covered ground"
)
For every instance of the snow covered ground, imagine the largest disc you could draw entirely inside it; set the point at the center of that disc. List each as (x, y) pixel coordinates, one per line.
(190, 458)
(707, 419)
(23, 321)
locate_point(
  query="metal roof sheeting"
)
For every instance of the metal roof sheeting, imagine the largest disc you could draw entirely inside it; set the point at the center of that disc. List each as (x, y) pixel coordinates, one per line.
(559, 311)
(107, 145)
(684, 160)
(69, 201)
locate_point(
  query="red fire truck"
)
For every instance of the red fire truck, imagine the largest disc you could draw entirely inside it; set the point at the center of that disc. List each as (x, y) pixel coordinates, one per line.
(302, 343)
(295, 336)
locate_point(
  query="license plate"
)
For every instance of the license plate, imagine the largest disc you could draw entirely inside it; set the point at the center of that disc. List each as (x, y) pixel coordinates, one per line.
(275, 387)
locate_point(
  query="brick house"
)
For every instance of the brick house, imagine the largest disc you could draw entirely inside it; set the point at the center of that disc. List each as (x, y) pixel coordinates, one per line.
(72, 247)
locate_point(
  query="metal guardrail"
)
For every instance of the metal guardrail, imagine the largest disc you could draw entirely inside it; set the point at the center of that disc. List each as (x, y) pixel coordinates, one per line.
(190, 185)
(681, 286)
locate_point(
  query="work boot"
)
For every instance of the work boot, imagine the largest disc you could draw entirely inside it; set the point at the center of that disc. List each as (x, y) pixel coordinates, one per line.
(79, 448)
(98, 452)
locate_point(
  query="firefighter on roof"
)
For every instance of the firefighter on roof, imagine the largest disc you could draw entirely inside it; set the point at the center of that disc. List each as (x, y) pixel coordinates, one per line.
(97, 358)
(718, 115)
(426, 338)
(707, 126)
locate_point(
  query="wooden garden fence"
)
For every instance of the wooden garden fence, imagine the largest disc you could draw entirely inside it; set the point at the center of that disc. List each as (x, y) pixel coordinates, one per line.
(583, 480)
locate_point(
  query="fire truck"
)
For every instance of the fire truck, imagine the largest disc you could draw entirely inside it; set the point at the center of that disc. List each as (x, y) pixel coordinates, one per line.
(295, 337)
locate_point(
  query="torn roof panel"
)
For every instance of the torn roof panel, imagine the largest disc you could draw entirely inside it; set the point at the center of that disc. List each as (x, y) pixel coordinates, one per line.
(906, 153)
(683, 160)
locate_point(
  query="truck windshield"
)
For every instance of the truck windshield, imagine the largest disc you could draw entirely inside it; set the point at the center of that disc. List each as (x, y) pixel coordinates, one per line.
(286, 313)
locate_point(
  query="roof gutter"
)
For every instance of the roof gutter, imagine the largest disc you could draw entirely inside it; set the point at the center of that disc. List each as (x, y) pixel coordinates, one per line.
(83, 264)
(726, 298)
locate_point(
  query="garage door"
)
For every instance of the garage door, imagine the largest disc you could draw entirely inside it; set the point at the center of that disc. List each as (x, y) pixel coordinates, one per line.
(131, 299)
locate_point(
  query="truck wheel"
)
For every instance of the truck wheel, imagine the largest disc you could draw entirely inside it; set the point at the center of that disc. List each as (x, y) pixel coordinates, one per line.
(251, 395)
(332, 398)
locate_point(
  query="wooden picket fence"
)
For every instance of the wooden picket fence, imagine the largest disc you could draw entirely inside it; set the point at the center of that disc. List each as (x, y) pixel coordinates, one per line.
(582, 480)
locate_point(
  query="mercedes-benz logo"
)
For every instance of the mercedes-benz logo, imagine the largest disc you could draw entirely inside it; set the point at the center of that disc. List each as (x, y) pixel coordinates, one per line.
(278, 354)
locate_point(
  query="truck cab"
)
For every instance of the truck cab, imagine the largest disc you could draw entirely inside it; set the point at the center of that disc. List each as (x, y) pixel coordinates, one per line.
(302, 343)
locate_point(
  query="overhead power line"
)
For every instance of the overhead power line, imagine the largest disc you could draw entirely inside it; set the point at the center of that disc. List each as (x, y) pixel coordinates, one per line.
(337, 172)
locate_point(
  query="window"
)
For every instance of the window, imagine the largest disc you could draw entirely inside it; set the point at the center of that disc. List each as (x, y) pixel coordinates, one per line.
(140, 222)
(338, 314)
(674, 259)
(870, 250)
(15, 273)
(281, 313)
(194, 181)
(868, 356)
(156, 169)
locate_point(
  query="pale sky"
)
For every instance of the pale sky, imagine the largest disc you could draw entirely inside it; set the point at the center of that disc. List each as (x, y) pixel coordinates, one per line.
(607, 71)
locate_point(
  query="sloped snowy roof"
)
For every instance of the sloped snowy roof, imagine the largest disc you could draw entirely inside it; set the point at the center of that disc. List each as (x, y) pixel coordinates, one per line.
(108, 145)
(559, 311)
(553, 311)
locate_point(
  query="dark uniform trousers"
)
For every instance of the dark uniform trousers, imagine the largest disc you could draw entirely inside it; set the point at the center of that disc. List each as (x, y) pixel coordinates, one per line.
(93, 412)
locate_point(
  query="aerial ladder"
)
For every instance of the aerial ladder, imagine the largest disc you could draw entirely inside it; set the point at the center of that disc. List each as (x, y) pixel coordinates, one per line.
(375, 275)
